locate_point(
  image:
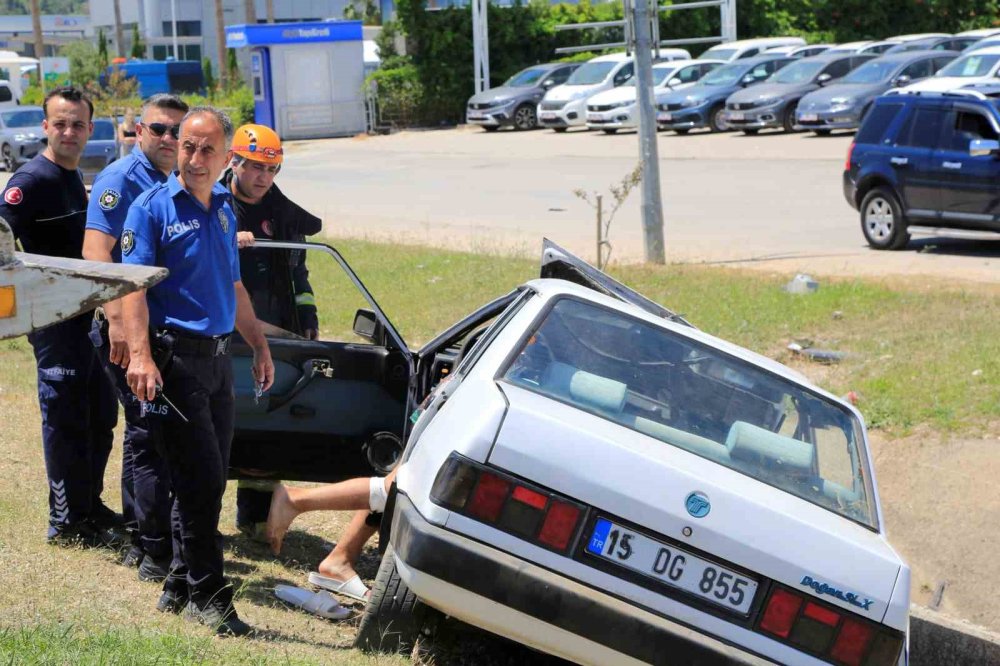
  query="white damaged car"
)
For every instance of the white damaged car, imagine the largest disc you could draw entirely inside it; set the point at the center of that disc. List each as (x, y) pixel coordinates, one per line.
(601, 481)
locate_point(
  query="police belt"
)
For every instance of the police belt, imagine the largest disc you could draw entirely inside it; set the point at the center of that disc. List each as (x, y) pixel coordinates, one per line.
(189, 344)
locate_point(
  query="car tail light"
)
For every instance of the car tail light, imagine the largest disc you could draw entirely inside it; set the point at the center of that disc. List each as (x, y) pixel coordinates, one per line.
(850, 152)
(832, 634)
(527, 511)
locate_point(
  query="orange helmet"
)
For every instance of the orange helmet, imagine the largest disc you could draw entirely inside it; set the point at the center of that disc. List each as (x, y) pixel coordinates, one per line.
(258, 143)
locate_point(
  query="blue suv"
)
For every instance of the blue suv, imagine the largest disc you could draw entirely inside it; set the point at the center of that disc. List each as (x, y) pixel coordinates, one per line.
(928, 160)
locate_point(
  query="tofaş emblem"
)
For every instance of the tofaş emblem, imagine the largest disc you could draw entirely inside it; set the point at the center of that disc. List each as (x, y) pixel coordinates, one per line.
(109, 199)
(13, 196)
(128, 241)
(224, 221)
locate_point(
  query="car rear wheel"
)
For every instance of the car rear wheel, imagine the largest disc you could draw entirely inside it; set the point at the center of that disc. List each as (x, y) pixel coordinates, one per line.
(882, 220)
(715, 121)
(788, 120)
(8, 159)
(525, 117)
(394, 618)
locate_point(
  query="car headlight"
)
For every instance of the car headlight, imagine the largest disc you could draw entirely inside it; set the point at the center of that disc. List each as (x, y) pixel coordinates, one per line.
(843, 101)
(23, 138)
(692, 101)
(768, 101)
(618, 105)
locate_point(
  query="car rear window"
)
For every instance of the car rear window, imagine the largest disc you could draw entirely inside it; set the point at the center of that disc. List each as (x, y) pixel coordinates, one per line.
(692, 396)
(877, 122)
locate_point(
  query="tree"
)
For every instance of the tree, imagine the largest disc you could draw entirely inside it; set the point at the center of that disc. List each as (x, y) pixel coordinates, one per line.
(206, 70)
(250, 10)
(85, 64)
(119, 36)
(138, 47)
(102, 46)
(220, 44)
(36, 27)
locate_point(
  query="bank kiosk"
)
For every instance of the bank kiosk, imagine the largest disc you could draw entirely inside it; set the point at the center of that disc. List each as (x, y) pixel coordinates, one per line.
(307, 78)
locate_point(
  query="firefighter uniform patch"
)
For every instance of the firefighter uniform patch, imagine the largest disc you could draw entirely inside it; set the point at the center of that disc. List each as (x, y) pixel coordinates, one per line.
(13, 196)
(109, 199)
(128, 241)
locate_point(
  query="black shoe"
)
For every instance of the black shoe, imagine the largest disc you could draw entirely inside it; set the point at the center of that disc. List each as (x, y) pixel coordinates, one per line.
(172, 601)
(133, 558)
(219, 614)
(102, 516)
(151, 571)
(84, 534)
(256, 532)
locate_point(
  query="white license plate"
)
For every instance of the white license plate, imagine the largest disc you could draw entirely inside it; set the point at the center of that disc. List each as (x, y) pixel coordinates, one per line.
(665, 117)
(808, 117)
(547, 116)
(475, 116)
(672, 566)
(593, 117)
(736, 115)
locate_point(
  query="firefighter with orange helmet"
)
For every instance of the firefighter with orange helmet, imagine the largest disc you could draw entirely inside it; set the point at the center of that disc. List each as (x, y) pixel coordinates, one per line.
(277, 280)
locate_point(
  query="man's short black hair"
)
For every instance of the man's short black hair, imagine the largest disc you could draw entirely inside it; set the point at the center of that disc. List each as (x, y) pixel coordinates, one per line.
(165, 101)
(70, 94)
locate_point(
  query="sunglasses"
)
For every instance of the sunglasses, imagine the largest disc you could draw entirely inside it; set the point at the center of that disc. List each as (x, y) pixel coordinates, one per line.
(159, 129)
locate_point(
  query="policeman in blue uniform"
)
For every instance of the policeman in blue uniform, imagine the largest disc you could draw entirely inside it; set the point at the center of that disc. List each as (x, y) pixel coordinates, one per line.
(178, 336)
(45, 204)
(145, 482)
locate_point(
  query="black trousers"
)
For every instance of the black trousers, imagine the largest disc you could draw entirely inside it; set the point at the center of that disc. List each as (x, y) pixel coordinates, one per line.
(146, 498)
(197, 456)
(78, 419)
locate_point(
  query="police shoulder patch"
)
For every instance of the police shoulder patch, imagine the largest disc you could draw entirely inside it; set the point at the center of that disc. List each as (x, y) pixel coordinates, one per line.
(128, 241)
(13, 196)
(109, 199)
(224, 220)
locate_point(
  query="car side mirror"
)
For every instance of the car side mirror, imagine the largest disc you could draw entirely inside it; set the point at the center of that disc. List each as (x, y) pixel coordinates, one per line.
(983, 147)
(367, 326)
(747, 80)
(823, 79)
(902, 80)
(548, 83)
(674, 82)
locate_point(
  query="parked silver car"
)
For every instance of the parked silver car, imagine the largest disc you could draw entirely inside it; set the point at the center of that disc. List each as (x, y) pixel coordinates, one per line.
(100, 151)
(21, 135)
(514, 103)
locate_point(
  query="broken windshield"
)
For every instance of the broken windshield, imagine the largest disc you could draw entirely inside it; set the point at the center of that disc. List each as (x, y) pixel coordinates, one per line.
(695, 397)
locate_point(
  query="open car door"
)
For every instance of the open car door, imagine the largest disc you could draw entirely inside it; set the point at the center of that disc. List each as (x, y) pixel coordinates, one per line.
(338, 406)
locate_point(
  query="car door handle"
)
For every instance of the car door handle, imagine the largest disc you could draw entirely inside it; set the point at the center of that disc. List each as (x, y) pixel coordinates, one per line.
(951, 165)
(899, 161)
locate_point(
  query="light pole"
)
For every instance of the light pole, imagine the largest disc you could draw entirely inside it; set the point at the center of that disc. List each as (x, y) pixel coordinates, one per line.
(649, 158)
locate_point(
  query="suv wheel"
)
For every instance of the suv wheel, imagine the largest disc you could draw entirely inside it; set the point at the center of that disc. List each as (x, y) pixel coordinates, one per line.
(525, 117)
(394, 618)
(882, 220)
(715, 122)
(8, 160)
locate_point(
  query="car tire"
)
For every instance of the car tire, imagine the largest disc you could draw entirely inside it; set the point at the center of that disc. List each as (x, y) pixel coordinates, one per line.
(491, 128)
(715, 122)
(560, 130)
(751, 132)
(394, 618)
(882, 220)
(7, 160)
(788, 118)
(610, 131)
(680, 132)
(525, 117)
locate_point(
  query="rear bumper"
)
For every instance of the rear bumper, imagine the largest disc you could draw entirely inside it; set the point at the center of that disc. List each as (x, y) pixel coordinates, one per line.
(504, 594)
(850, 190)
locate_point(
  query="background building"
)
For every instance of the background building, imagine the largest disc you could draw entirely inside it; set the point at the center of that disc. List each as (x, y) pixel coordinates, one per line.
(16, 33)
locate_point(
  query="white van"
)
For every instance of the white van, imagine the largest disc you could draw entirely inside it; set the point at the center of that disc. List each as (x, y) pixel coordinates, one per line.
(565, 106)
(748, 48)
(8, 94)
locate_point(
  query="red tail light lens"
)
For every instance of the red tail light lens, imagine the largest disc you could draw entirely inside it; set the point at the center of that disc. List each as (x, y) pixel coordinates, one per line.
(560, 525)
(488, 497)
(530, 497)
(781, 612)
(815, 629)
(852, 643)
(850, 152)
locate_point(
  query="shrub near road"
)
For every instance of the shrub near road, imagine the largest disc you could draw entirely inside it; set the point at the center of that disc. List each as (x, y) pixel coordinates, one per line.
(913, 356)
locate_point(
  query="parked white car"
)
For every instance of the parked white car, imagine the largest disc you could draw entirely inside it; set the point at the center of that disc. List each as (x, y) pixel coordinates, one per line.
(981, 66)
(748, 48)
(616, 109)
(807, 51)
(601, 481)
(565, 106)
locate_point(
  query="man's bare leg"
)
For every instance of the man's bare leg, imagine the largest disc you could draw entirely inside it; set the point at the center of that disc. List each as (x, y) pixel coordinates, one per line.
(339, 564)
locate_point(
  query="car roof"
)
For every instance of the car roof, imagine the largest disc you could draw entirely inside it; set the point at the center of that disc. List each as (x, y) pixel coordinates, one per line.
(831, 57)
(549, 288)
(612, 57)
(764, 57)
(988, 50)
(915, 36)
(25, 108)
(906, 56)
(758, 41)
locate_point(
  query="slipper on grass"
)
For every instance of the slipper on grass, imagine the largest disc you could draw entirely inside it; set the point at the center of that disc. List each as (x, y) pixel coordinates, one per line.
(352, 588)
(319, 603)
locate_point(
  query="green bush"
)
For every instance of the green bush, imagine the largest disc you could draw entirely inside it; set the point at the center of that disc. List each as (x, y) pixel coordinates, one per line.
(400, 93)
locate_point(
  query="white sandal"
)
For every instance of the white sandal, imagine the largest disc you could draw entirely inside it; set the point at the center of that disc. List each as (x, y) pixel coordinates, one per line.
(352, 588)
(319, 603)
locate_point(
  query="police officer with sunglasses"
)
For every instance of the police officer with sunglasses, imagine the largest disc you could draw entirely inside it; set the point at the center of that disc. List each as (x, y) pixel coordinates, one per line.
(145, 483)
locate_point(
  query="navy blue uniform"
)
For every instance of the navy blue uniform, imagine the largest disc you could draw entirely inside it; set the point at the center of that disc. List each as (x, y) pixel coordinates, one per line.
(145, 481)
(192, 314)
(45, 206)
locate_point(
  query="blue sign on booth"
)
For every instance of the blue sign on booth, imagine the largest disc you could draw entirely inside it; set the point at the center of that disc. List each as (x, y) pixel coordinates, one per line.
(238, 36)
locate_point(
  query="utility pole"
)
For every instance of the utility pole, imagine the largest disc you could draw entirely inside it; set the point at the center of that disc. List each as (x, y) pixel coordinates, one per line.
(649, 158)
(220, 46)
(270, 11)
(250, 9)
(36, 27)
(119, 36)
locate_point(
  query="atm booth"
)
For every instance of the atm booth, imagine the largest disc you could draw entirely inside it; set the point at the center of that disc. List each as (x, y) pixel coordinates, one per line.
(307, 78)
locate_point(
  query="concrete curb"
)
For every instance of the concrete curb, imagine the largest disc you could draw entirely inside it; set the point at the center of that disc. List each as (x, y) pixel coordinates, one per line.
(937, 639)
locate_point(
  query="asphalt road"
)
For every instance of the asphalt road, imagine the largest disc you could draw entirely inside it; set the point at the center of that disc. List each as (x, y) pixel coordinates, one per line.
(772, 201)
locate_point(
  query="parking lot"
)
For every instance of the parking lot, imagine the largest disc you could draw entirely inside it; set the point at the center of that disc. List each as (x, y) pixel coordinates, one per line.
(772, 200)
